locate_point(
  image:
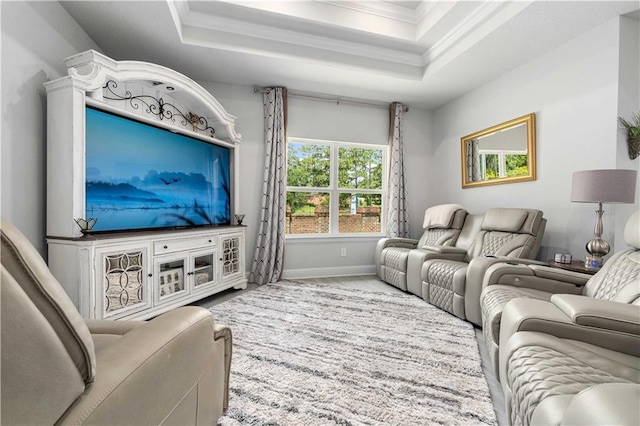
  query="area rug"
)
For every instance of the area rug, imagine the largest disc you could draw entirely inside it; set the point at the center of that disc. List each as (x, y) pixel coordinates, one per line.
(315, 354)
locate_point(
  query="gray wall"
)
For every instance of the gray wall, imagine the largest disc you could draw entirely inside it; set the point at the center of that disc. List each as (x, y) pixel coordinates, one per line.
(36, 36)
(574, 92)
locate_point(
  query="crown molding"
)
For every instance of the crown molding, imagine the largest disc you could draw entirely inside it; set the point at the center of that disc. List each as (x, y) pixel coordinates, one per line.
(332, 44)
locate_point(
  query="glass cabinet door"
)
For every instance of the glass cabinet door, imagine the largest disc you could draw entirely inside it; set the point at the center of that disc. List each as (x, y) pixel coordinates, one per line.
(231, 261)
(124, 276)
(203, 270)
(170, 278)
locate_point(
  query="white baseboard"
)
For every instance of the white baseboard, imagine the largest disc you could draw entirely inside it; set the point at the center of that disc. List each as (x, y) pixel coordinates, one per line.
(328, 272)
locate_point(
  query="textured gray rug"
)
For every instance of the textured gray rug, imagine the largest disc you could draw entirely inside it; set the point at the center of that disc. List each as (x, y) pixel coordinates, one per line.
(323, 355)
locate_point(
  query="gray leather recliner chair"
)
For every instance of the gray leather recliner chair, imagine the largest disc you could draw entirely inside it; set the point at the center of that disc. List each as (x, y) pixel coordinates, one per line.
(392, 253)
(58, 368)
(504, 233)
(579, 297)
(579, 380)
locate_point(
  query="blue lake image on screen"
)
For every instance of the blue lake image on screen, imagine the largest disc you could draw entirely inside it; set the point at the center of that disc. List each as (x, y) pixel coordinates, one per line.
(139, 176)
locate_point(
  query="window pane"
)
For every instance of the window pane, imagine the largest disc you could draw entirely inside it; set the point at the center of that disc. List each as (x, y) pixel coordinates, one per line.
(490, 166)
(307, 212)
(359, 168)
(359, 213)
(517, 165)
(308, 165)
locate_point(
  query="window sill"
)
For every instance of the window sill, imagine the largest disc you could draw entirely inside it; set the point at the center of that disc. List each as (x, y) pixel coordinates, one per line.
(312, 239)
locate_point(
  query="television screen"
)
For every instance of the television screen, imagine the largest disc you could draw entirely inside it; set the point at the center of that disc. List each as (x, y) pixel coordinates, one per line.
(143, 177)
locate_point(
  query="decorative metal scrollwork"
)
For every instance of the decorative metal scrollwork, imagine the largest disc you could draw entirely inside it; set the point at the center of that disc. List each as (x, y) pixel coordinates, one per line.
(159, 108)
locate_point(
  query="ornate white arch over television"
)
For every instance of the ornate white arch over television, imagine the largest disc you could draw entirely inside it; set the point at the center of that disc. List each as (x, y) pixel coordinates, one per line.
(144, 91)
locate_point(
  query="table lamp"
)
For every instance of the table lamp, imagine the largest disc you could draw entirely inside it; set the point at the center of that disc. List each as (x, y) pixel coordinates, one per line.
(602, 186)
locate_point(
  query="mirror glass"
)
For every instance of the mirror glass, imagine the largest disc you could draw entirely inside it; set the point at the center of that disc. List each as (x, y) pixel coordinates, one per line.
(504, 153)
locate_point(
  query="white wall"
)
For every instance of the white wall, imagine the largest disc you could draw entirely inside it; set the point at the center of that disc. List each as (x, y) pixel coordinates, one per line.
(36, 36)
(329, 121)
(574, 92)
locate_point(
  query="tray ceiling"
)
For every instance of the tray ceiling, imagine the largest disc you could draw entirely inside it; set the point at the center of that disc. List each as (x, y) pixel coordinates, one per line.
(423, 53)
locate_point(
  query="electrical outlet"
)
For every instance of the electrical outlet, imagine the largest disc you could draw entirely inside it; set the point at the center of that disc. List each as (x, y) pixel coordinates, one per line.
(343, 252)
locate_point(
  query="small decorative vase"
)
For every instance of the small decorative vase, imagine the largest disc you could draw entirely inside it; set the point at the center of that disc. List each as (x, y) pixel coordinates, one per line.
(239, 219)
(634, 146)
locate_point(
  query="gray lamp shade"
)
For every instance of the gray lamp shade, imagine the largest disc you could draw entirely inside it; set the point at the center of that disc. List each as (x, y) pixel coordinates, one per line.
(604, 186)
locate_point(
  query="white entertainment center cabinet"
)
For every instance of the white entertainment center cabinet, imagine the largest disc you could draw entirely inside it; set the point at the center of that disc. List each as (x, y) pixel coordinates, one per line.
(135, 274)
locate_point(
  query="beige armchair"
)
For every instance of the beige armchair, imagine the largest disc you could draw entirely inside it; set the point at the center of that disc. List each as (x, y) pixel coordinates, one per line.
(57, 368)
(504, 233)
(392, 254)
(579, 300)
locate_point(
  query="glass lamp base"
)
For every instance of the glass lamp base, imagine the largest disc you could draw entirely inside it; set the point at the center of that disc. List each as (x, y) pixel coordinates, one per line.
(593, 262)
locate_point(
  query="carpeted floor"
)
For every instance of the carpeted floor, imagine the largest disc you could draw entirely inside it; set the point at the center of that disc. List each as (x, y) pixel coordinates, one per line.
(323, 354)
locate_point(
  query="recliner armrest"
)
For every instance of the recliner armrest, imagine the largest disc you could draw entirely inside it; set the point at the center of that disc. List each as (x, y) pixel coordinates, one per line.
(535, 276)
(446, 250)
(606, 314)
(606, 403)
(546, 317)
(384, 243)
(398, 242)
(562, 275)
(418, 256)
(149, 371)
(111, 327)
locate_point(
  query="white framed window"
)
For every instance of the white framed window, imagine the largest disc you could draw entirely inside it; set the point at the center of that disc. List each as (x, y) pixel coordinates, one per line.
(335, 188)
(502, 163)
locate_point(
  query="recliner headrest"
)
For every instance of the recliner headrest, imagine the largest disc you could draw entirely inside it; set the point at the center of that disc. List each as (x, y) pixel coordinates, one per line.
(632, 231)
(523, 221)
(444, 216)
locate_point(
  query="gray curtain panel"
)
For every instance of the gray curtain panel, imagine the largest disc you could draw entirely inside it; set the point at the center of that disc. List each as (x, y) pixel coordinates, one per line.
(268, 257)
(398, 217)
(473, 160)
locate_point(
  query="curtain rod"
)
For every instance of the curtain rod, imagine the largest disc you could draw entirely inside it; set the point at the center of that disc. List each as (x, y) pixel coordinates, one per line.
(328, 98)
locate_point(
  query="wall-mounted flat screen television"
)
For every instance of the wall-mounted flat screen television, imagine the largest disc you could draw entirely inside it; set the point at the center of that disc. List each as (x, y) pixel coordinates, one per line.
(140, 177)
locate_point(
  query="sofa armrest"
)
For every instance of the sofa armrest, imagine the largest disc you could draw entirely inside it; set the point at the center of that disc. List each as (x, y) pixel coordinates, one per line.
(448, 250)
(420, 255)
(222, 333)
(546, 317)
(607, 403)
(535, 276)
(153, 369)
(384, 243)
(475, 283)
(598, 313)
(397, 242)
(112, 327)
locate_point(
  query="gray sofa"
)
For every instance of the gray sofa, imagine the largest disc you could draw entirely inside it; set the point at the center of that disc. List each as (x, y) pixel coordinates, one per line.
(568, 358)
(449, 273)
(60, 369)
(566, 295)
(505, 233)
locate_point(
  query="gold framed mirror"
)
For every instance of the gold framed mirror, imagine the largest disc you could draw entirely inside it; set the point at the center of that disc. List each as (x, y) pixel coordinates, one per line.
(504, 153)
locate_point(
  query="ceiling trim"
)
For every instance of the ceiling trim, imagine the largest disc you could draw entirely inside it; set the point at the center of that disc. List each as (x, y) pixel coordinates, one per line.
(377, 8)
(207, 29)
